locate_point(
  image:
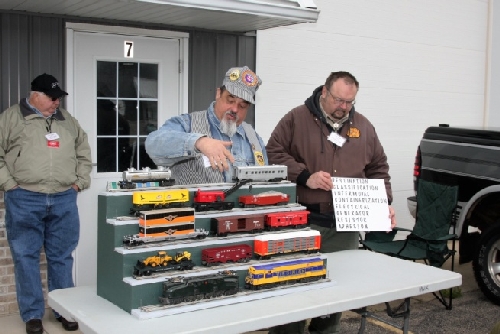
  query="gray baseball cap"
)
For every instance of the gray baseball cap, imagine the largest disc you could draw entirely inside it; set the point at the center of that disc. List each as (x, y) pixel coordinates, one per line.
(242, 82)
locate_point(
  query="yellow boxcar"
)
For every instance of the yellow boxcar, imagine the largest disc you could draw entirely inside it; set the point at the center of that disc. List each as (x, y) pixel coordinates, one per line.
(150, 200)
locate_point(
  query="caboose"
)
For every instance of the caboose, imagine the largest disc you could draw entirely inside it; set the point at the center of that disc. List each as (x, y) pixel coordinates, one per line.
(294, 219)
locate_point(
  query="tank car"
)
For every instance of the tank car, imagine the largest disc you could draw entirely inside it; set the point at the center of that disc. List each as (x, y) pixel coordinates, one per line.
(270, 173)
(187, 289)
(281, 273)
(132, 177)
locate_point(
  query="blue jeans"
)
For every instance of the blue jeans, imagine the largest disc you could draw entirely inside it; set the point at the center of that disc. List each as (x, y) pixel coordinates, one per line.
(33, 220)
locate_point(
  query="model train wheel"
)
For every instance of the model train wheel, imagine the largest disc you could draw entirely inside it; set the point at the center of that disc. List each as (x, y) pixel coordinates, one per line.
(199, 296)
(164, 263)
(153, 264)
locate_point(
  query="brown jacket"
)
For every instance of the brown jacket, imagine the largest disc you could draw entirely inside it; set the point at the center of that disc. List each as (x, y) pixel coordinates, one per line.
(300, 142)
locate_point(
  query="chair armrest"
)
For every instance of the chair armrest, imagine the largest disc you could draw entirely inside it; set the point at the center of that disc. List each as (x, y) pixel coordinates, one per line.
(440, 239)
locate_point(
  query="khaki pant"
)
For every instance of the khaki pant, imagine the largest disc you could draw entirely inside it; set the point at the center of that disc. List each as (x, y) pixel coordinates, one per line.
(331, 241)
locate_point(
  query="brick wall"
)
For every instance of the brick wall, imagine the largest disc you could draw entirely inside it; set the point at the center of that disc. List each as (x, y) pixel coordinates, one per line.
(8, 303)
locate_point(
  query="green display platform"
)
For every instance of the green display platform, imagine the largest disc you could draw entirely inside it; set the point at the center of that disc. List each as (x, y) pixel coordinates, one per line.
(115, 263)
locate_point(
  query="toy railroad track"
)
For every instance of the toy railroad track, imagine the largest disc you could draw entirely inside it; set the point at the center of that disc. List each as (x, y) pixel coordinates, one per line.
(153, 308)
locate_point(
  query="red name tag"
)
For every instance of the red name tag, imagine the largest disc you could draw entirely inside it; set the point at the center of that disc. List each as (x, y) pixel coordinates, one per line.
(53, 143)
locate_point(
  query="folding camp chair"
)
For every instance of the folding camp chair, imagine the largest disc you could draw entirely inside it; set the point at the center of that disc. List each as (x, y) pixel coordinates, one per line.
(428, 241)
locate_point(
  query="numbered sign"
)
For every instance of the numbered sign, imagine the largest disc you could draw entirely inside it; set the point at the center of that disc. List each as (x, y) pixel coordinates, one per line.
(128, 49)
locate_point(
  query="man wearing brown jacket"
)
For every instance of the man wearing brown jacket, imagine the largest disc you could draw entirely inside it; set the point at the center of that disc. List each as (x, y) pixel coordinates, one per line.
(321, 139)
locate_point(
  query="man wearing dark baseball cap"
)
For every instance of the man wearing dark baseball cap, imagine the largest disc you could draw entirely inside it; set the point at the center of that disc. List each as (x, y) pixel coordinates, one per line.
(48, 85)
(45, 161)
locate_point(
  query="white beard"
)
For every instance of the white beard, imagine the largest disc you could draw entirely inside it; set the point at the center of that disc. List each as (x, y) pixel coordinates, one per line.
(228, 127)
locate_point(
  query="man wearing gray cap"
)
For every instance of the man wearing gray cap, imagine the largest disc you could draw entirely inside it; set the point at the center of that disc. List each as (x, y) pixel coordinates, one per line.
(202, 147)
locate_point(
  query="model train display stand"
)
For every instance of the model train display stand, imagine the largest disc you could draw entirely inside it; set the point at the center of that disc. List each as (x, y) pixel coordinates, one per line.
(117, 262)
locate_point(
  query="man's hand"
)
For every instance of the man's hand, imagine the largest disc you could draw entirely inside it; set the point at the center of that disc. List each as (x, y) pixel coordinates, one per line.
(392, 215)
(320, 180)
(216, 151)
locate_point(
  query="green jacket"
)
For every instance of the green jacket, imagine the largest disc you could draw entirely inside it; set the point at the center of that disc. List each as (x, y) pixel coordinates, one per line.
(28, 161)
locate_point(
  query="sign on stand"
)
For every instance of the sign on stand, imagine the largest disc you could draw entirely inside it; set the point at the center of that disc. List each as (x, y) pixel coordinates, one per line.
(360, 204)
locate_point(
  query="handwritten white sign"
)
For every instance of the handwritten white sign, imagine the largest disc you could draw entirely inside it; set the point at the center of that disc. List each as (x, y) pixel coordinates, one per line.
(360, 204)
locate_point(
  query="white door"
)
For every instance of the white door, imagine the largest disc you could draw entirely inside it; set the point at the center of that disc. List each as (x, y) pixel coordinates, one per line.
(121, 88)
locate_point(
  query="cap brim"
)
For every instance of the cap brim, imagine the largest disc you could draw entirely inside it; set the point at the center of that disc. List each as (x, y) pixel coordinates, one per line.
(56, 93)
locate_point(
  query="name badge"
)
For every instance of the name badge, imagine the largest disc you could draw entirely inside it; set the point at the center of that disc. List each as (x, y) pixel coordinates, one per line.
(337, 139)
(206, 161)
(52, 136)
(259, 158)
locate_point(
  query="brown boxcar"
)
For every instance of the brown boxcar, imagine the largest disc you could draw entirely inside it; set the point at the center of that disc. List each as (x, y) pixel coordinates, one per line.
(221, 226)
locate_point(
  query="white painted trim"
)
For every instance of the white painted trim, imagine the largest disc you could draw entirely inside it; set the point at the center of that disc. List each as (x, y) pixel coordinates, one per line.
(120, 30)
(252, 7)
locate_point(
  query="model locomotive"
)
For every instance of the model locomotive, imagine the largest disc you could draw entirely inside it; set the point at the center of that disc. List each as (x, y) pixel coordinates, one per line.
(187, 289)
(281, 273)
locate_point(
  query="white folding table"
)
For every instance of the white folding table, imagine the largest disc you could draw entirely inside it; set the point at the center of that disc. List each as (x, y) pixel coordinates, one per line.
(361, 277)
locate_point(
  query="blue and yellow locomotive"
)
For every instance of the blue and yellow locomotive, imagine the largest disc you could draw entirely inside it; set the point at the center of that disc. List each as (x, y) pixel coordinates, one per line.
(281, 273)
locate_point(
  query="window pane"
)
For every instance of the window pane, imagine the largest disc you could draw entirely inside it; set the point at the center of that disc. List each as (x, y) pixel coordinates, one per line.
(106, 118)
(130, 115)
(127, 80)
(106, 155)
(144, 159)
(149, 81)
(106, 79)
(148, 116)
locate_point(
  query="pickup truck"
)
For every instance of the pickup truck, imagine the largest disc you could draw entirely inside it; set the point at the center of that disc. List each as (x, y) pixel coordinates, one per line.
(469, 158)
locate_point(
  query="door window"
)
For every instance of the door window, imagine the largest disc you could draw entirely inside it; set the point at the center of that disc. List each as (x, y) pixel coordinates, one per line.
(127, 111)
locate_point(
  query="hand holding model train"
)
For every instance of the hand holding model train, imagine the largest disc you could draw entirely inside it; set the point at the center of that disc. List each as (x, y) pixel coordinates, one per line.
(216, 152)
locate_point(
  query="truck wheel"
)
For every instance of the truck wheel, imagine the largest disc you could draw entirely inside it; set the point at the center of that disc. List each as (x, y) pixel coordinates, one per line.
(487, 264)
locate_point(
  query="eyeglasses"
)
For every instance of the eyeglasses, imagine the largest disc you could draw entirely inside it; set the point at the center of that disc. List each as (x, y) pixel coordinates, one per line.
(336, 100)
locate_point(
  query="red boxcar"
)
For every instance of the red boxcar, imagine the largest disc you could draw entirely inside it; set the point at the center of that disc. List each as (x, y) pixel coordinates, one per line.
(293, 219)
(299, 241)
(234, 253)
(232, 224)
(262, 199)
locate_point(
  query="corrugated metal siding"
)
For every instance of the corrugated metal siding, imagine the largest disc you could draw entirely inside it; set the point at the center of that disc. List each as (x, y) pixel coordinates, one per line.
(31, 45)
